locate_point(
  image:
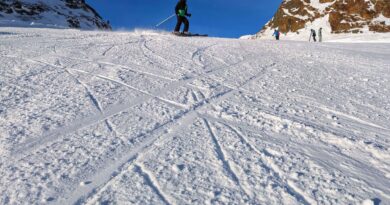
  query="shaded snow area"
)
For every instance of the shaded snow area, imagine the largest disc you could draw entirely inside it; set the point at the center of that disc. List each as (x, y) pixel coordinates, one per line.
(149, 118)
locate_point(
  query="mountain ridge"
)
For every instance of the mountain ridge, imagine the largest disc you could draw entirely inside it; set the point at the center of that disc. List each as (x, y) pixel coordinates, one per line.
(335, 16)
(56, 13)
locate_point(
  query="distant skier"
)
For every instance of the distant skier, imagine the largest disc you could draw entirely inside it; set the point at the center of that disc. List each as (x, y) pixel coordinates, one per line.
(320, 35)
(276, 34)
(181, 11)
(313, 35)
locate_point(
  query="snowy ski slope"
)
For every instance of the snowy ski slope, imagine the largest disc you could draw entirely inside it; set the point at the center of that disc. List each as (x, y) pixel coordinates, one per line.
(149, 118)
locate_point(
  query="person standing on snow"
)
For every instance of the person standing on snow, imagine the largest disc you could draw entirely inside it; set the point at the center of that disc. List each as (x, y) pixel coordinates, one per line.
(313, 34)
(320, 35)
(181, 13)
(276, 34)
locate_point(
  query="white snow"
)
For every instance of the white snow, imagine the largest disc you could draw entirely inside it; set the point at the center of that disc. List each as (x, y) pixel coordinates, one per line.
(148, 118)
(320, 6)
(246, 37)
(382, 18)
(327, 36)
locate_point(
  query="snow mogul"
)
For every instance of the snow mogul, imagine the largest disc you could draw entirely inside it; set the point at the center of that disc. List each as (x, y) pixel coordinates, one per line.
(181, 11)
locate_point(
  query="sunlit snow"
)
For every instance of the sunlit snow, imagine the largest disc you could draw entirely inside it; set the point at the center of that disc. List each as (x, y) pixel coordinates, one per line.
(149, 118)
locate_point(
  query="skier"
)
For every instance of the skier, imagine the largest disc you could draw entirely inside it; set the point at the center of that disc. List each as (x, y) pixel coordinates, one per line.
(313, 34)
(276, 34)
(320, 35)
(181, 13)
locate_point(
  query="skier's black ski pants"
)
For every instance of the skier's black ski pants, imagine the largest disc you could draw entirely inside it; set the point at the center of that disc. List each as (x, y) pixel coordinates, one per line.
(180, 20)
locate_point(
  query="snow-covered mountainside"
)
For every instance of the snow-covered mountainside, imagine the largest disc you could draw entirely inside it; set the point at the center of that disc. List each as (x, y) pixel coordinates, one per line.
(295, 18)
(52, 13)
(149, 118)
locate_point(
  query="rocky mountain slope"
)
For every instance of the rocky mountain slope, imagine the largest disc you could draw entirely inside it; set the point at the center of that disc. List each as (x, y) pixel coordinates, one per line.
(53, 13)
(335, 16)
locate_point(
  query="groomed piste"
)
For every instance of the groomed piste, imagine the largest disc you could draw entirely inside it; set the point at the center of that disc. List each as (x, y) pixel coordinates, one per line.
(150, 118)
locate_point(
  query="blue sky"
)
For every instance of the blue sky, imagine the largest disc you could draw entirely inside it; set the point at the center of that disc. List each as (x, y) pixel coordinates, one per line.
(223, 18)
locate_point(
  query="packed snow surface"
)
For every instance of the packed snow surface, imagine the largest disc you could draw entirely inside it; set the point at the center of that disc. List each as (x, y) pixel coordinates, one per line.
(150, 118)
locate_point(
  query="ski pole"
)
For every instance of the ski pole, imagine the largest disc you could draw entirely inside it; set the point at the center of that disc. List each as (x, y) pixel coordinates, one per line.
(167, 19)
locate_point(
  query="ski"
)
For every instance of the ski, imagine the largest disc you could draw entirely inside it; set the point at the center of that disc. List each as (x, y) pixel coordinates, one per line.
(190, 35)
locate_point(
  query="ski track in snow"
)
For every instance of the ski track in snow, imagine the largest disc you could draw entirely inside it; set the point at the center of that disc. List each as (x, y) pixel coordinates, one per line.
(188, 112)
(149, 118)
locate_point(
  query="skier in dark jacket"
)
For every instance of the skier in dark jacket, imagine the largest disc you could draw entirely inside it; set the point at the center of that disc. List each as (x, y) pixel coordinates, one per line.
(181, 11)
(276, 34)
(313, 34)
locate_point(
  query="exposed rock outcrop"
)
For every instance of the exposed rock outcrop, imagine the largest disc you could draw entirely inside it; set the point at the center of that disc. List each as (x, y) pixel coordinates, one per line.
(61, 13)
(335, 16)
